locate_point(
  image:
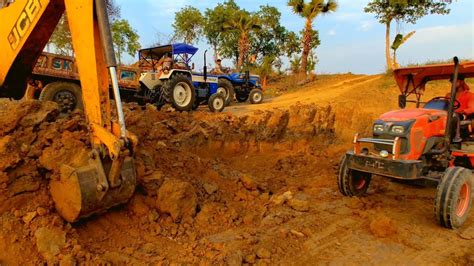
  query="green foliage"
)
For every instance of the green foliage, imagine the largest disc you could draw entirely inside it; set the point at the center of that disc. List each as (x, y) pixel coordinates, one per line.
(408, 11)
(292, 44)
(295, 64)
(309, 11)
(188, 24)
(313, 8)
(61, 38)
(125, 38)
(226, 43)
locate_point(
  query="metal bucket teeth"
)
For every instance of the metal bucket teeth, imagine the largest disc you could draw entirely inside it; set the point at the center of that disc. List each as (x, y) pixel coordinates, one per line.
(80, 193)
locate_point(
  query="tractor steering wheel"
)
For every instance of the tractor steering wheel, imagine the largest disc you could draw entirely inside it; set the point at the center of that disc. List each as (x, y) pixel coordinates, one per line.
(457, 104)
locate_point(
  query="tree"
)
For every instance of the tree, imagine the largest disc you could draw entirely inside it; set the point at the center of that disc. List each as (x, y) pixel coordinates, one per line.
(309, 11)
(224, 43)
(243, 23)
(188, 24)
(292, 45)
(61, 37)
(397, 42)
(408, 11)
(125, 38)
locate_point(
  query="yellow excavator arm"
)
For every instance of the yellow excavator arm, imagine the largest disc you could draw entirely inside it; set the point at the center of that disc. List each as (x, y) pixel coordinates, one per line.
(27, 25)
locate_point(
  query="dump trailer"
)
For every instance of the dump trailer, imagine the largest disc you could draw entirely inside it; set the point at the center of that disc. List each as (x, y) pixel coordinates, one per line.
(109, 177)
(56, 78)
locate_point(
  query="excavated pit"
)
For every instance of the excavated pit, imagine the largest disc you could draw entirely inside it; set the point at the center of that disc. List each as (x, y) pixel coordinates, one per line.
(206, 184)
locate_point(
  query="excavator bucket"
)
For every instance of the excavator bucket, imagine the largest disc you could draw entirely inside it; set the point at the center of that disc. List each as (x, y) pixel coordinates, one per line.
(84, 191)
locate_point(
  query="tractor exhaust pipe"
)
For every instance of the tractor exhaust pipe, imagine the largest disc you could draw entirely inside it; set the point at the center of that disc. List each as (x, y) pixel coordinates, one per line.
(448, 132)
(205, 66)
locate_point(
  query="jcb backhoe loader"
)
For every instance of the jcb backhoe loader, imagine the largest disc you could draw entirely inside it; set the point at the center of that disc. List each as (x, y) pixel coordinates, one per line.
(26, 26)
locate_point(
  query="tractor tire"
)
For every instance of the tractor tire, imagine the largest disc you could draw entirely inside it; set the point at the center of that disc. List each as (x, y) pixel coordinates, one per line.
(227, 89)
(256, 96)
(216, 103)
(241, 97)
(66, 94)
(183, 94)
(351, 182)
(453, 200)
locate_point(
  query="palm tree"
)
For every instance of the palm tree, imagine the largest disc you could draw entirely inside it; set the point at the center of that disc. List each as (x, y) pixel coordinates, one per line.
(310, 11)
(244, 23)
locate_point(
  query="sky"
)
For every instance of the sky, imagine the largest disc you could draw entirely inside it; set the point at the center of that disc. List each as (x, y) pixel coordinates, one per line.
(351, 40)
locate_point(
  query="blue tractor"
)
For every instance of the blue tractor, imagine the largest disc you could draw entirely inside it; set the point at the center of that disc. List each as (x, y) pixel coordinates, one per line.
(168, 77)
(243, 86)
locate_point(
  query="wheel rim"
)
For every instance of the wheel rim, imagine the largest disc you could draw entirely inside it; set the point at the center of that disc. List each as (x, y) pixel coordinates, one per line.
(257, 97)
(359, 183)
(463, 200)
(66, 100)
(218, 103)
(222, 91)
(182, 94)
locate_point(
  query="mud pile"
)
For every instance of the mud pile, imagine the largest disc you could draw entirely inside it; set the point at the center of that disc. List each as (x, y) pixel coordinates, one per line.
(191, 204)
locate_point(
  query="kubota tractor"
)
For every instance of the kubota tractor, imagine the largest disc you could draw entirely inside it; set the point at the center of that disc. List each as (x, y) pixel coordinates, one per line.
(417, 144)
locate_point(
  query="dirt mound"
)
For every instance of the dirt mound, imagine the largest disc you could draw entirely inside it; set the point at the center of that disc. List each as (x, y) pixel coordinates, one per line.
(187, 192)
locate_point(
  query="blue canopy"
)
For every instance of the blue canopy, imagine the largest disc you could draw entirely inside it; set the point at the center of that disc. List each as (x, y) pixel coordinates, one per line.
(182, 48)
(175, 49)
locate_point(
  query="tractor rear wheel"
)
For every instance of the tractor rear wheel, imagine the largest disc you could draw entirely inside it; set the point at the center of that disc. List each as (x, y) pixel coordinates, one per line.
(226, 88)
(183, 94)
(351, 182)
(216, 103)
(453, 200)
(256, 96)
(66, 94)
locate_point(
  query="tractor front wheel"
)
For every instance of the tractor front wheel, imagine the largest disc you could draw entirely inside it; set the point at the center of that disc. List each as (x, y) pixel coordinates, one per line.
(256, 96)
(216, 103)
(351, 182)
(453, 200)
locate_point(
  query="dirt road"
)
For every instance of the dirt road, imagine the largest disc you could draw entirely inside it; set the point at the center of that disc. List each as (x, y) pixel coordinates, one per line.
(254, 185)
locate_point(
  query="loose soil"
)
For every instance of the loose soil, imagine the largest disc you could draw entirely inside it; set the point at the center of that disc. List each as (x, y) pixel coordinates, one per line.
(253, 185)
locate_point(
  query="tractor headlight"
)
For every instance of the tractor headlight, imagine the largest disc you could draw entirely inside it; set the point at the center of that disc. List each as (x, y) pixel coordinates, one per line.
(398, 129)
(378, 128)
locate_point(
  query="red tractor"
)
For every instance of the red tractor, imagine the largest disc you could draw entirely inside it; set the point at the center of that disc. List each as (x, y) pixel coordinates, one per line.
(417, 144)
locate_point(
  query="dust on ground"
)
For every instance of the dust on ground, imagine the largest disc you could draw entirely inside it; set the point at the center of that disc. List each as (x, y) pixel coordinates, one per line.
(241, 187)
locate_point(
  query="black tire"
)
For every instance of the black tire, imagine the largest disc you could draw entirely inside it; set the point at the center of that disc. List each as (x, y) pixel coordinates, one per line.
(351, 182)
(256, 96)
(241, 97)
(453, 200)
(196, 105)
(229, 94)
(216, 103)
(66, 94)
(183, 94)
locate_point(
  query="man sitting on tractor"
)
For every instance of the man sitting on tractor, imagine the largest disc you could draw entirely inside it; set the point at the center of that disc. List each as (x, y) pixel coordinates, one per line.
(466, 101)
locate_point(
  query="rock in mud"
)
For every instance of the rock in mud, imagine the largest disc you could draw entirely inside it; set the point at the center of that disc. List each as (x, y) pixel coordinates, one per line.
(234, 258)
(263, 253)
(299, 203)
(248, 182)
(138, 206)
(281, 199)
(210, 188)
(178, 199)
(49, 242)
(29, 217)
